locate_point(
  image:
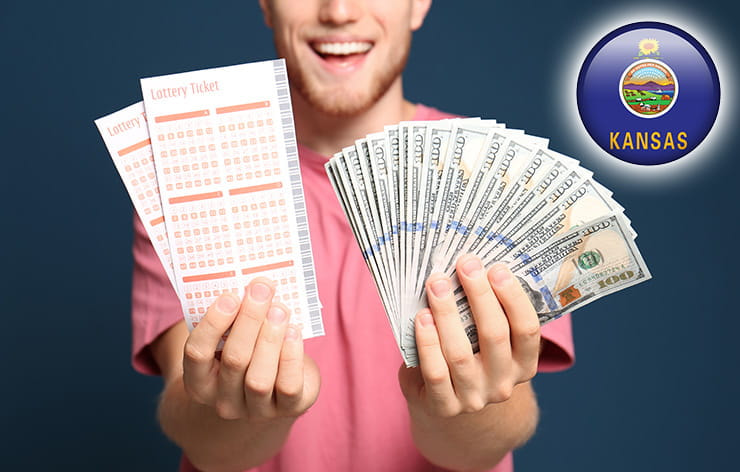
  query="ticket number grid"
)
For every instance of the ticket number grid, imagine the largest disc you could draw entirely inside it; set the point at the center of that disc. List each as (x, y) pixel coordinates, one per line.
(200, 151)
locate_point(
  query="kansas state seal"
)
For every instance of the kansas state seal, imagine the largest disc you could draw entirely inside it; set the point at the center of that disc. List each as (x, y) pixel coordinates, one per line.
(628, 93)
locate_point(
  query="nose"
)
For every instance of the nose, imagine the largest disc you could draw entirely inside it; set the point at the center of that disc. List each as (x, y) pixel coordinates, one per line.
(338, 12)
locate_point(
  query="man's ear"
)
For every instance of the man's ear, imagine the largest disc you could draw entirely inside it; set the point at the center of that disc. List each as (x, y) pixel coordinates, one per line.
(266, 13)
(419, 9)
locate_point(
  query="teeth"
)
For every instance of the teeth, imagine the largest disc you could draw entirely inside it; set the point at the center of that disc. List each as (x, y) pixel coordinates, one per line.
(343, 49)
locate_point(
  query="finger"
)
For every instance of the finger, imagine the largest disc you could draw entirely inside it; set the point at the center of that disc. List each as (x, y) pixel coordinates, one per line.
(523, 322)
(199, 361)
(262, 371)
(238, 348)
(289, 383)
(455, 344)
(490, 320)
(434, 371)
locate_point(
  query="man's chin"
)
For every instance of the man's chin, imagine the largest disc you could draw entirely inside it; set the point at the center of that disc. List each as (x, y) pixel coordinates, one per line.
(338, 104)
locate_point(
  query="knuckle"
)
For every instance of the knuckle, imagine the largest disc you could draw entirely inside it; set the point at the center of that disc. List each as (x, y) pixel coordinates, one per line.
(226, 410)
(529, 371)
(257, 386)
(233, 361)
(529, 331)
(461, 359)
(194, 354)
(501, 392)
(448, 410)
(473, 405)
(436, 378)
(494, 337)
(290, 391)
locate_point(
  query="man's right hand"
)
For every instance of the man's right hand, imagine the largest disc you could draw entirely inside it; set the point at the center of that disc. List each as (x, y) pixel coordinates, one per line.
(262, 373)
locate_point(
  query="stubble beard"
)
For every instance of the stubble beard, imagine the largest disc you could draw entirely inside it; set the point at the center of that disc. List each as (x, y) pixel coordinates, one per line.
(339, 101)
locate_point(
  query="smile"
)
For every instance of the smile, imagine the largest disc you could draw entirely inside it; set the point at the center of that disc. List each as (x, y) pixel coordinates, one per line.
(343, 48)
(341, 55)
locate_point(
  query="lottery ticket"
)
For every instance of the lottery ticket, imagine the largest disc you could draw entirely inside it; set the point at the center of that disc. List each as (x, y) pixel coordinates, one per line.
(223, 201)
(126, 137)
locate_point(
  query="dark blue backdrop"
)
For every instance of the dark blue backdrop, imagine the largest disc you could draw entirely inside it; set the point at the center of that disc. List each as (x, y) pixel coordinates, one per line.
(655, 386)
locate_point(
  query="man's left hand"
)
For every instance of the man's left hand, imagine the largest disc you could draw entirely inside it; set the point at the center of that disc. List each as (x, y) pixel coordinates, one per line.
(451, 379)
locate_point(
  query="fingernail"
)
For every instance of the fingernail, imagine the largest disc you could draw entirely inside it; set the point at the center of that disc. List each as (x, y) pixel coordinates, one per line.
(293, 333)
(260, 292)
(426, 319)
(277, 315)
(472, 268)
(227, 303)
(441, 287)
(500, 274)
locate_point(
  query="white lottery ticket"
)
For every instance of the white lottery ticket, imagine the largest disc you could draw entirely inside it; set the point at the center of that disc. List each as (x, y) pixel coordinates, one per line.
(227, 165)
(126, 136)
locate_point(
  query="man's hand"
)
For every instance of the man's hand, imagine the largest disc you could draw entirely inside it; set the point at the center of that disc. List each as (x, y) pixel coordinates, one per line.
(469, 410)
(262, 373)
(451, 379)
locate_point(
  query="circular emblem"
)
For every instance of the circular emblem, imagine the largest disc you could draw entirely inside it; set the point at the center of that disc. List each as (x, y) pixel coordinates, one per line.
(628, 93)
(589, 260)
(648, 88)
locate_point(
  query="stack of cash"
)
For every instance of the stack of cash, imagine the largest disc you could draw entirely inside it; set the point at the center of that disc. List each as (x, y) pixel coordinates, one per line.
(420, 194)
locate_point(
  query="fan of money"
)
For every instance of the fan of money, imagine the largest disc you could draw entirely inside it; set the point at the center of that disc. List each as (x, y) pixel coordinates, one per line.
(420, 194)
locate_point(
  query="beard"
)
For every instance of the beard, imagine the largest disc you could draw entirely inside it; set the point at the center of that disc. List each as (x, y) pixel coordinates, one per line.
(344, 100)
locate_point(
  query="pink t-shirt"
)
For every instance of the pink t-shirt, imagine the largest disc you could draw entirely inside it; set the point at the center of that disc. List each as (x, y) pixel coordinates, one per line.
(360, 421)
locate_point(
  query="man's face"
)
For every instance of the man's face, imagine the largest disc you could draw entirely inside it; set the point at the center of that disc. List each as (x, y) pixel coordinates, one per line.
(343, 55)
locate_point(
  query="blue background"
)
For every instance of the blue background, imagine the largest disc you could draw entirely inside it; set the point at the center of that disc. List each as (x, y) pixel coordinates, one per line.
(655, 386)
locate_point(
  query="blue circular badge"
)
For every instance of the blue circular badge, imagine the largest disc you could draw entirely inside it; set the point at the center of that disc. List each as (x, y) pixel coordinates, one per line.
(648, 93)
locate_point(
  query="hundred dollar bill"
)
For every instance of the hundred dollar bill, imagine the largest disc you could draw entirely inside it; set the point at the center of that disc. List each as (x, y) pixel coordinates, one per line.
(514, 159)
(433, 154)
(481, 195)
(542, 215)
(435, 146)
(373, 192)
(583, 265)
(433, 158)
(573, 270)
(464, 146)
(572, 203)
(385, 198)
(415, 134)
(337, 170)
(393, 145)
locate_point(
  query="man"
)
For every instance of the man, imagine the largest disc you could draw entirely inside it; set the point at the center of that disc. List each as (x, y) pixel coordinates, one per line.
(258, 405)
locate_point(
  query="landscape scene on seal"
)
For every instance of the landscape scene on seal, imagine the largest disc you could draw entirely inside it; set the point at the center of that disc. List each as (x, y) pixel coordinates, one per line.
(648, 88)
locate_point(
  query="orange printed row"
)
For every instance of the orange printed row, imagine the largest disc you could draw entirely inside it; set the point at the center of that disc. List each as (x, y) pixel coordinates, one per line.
(140, 180)
(242, 258)
(217, 246)
(202, 148)
(191, 133)
(244, 142)
(257, 174)
(147, 161)
(155, 208)
(222, 211)
(225, 228)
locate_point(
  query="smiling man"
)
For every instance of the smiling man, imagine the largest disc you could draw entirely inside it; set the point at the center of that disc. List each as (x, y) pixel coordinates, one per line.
(341, 402)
